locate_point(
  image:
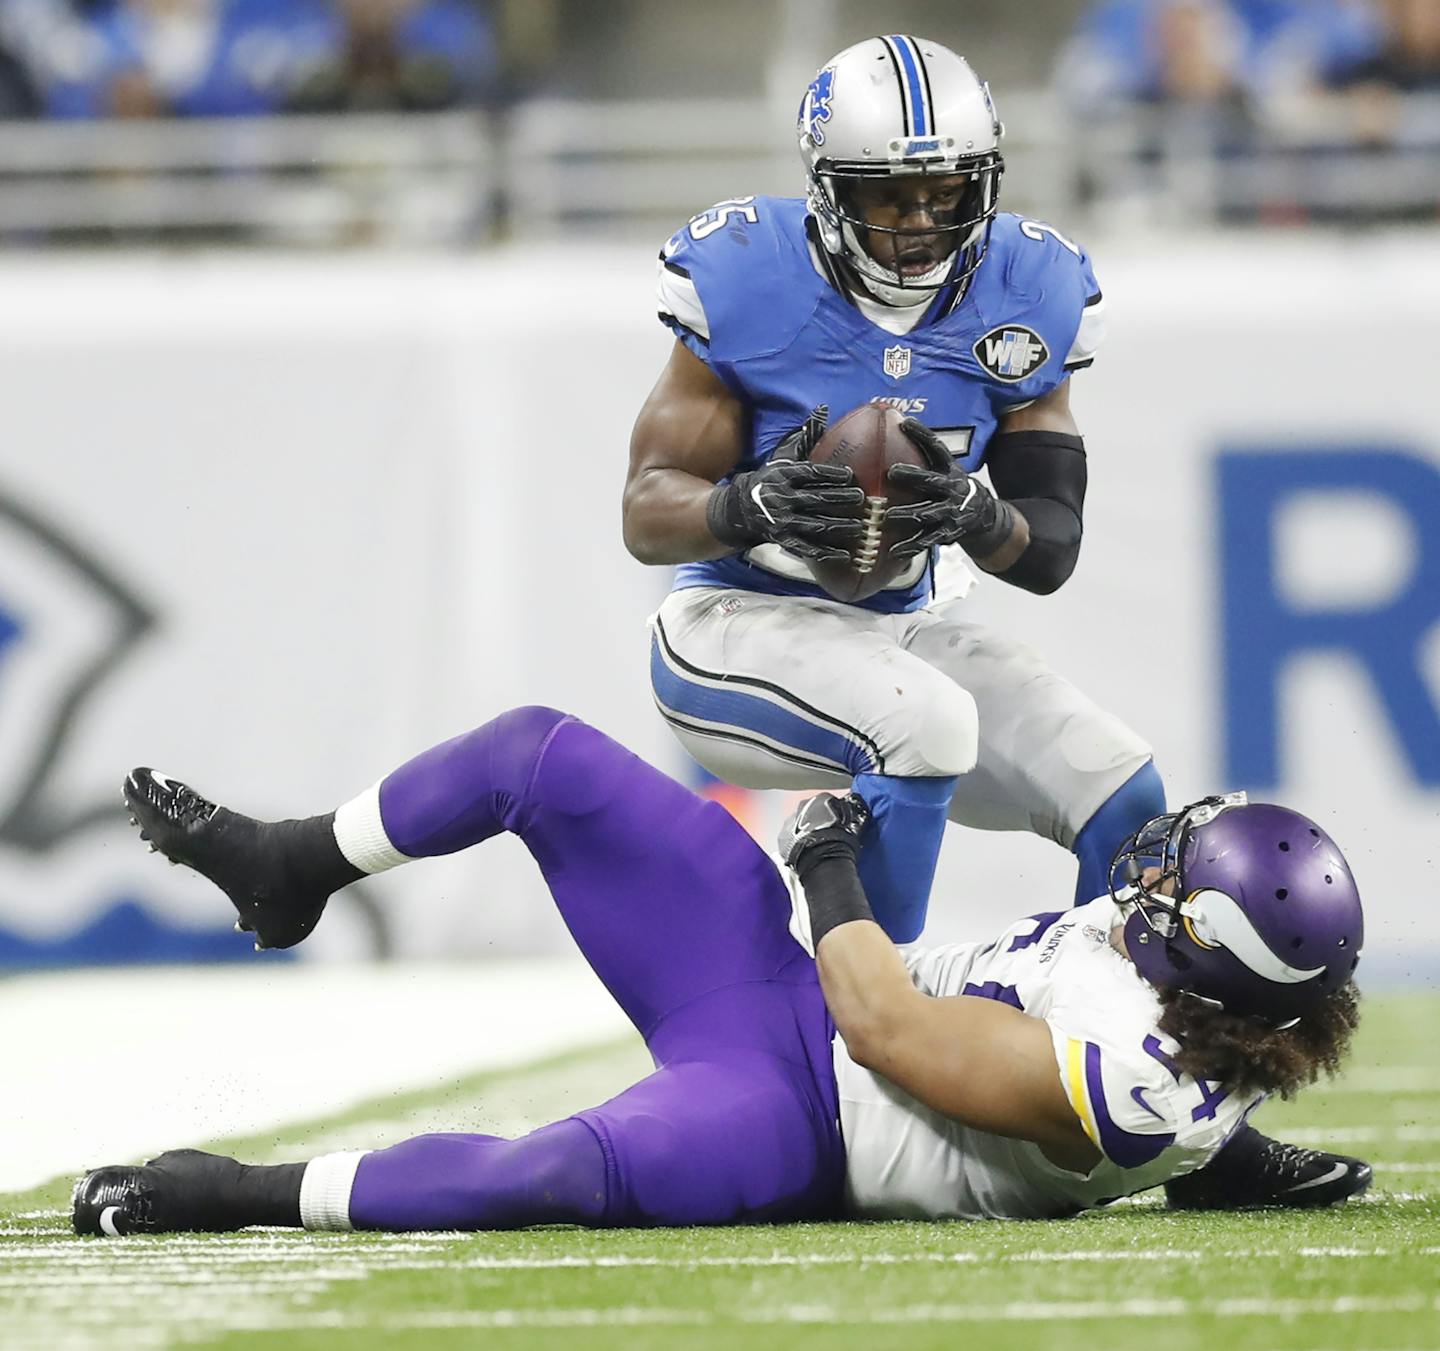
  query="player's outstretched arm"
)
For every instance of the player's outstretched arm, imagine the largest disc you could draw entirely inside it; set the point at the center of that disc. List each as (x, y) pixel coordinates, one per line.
(979, 1061)
(690, 433)
(983, 1063)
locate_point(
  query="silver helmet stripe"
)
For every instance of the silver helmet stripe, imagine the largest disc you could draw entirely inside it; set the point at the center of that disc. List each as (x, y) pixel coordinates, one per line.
(1216, 920)
(914, 85)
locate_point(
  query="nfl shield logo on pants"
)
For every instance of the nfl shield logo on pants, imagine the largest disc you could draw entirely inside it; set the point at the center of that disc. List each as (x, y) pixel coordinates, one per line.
(897, 362)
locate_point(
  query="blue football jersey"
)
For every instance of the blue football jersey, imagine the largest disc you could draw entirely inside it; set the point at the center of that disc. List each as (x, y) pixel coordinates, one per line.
(740, 288)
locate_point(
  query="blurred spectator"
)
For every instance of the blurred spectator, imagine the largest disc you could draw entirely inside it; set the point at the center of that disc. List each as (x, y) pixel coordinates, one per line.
(1301, 47)
(45, 44)
(1407, 56)
(1394, 55)
(191, 58)
(1162, 51)
(1391, 105)
(1164, 89)
(227, 58)
(402, 54)
(18, 95)
(1128, 52)
(1228, 109)
(1306, 41)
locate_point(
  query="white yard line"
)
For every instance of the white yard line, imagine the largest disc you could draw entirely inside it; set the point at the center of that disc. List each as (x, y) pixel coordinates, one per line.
(76, 1295)
(1387, 1079)
(121, 1261)
(1020, 1311)
(1361, 1135)
(924, 1259)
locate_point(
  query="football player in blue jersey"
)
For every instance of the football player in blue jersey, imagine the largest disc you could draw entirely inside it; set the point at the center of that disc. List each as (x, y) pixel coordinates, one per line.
(894, 280)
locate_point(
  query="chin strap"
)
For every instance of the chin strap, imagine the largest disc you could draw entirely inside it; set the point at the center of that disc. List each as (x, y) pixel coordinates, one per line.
(851, 283)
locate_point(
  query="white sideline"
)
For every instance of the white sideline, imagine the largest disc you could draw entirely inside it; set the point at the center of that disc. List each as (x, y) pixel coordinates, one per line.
(23, 1266)
(110, 1066)
(1018, 1311)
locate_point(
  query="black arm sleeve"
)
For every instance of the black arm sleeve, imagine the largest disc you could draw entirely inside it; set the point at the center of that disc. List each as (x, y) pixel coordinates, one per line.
(1042, 475)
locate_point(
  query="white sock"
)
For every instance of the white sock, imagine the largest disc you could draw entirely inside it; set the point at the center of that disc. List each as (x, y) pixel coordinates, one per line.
(325, 1191)
(360, 833)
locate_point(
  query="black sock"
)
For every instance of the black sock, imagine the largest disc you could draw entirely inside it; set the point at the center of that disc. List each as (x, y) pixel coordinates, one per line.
(312, 857)
(268, 1194)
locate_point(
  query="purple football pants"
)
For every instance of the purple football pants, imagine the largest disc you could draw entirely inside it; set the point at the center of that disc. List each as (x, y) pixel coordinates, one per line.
(685, 920)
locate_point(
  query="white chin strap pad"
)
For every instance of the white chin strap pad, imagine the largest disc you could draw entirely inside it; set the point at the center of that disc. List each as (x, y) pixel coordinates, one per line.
(885, 284)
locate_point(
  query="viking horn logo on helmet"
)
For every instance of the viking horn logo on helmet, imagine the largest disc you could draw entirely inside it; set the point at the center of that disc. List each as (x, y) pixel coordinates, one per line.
(1247, 906)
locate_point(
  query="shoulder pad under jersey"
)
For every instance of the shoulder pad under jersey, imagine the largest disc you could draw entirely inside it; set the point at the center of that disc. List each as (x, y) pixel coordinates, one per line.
(737, 280)
(1040, 277)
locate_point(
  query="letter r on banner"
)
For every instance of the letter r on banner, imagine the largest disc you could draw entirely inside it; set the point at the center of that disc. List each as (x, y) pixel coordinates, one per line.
(1262, 632)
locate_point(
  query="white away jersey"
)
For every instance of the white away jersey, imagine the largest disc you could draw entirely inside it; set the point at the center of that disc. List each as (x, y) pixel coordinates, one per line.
(1150, 1121)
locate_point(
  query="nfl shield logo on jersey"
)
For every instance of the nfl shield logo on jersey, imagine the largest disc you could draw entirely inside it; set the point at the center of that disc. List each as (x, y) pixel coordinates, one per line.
(1010, 353)
(897, 362)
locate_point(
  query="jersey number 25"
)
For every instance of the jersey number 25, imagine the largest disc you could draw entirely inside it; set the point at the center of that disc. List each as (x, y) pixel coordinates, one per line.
(707, 222)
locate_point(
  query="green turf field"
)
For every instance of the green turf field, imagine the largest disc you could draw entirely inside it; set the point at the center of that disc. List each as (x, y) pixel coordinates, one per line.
(1367, 1275)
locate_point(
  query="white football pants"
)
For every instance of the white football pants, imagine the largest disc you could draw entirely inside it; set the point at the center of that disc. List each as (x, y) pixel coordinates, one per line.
(786, 692)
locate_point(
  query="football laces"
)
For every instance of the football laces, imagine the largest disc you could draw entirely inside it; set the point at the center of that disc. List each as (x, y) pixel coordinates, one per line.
(868, 553)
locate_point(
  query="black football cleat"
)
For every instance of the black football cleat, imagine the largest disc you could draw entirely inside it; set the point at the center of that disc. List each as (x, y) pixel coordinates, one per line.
(274, 872)
(183, 1191)
(1254, 1172)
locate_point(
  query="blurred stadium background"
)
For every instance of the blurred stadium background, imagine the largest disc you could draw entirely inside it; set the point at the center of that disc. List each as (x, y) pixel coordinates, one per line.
(323, 323)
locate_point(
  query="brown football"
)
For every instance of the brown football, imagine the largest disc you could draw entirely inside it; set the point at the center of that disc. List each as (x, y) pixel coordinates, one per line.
(867, 441)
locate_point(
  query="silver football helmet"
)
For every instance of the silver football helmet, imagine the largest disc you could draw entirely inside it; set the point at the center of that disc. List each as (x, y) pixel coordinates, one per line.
(894, 106)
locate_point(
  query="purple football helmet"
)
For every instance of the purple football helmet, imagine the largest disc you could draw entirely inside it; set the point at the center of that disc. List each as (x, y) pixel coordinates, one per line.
(1265, 919)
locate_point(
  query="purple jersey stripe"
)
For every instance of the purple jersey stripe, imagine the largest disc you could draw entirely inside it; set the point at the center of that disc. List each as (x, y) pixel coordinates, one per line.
(1122, 1147)
(1157, 1052)
(1042, 925)
(992, 989)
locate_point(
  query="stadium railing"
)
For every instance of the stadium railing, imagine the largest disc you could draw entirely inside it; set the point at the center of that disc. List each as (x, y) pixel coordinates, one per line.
(320, 179)
(637, 168)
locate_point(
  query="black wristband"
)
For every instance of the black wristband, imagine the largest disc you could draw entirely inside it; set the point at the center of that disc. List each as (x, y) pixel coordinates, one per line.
(720, 518)
(985, 541)
(832, 887)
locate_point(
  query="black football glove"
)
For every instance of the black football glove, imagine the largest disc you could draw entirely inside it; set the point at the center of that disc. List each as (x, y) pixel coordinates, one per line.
(822, 825)
(957, 507)
(790, 502)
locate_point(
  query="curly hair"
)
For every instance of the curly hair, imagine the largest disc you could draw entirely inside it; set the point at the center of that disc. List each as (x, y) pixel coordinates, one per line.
(1248, 1056)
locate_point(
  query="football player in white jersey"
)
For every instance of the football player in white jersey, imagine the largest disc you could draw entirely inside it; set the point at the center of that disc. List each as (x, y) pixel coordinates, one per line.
(1082, 1055)
(897, 280)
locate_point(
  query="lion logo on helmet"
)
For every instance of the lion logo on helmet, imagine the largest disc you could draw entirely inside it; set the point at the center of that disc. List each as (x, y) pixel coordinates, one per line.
(815, 107)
